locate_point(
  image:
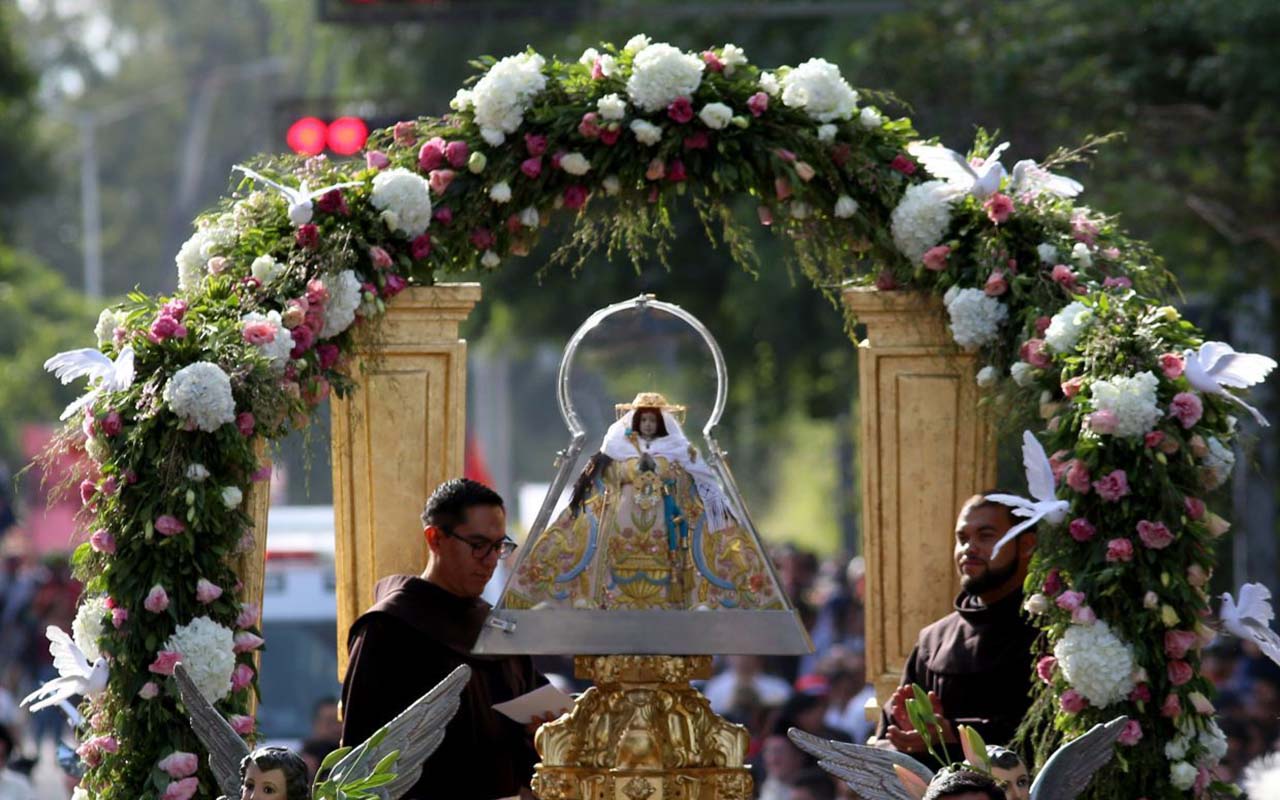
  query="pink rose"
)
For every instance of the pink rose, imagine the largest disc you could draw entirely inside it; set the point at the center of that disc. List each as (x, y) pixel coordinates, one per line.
(482, 239)
(1172, 706)
(535, 144)
(165, 659)
(1073, 702)
(246, 642)
(1034, 352)
(1083, 229)
(431, 155)
(405, 133)
(168, 525)
(996, 285)
(241, 677)
(999, 208)
(1102, 422)
(1052, 582)
(443, 215)
(1180, 672)
(680, 110)
(698, 140)
(376, 159)
(781, 188)
(249, 614)
(1186, 408)
(1045, 668)
(1078, 476)
(712, 61)
(327, 354)
(1064, 277)
(304, 336)
(1171, 365)
(379, 257)
(589, 127)
(245, 423)
(903, 164)
(1140, 694)
(1153, 438)
(119, 616)
(1084, 616)
(307, 236)
(575, 196)
(1071, 600)
(1112, 486)
(184, 789)
(259, 332)
(1155, 535)
(1131, 734)
(1177, 643)
(241, 724)
(179, 764)
(1072, 386)
(207, 592)
(112, 423)
(420, 247)
(393, 285)
(333, 202)
(1042, 325)
(675, 171)
(157, 599)
(440, 180)
(758, 103)
(935, 258)
(1058, 464)
(149, 690)
(457, 153)
(1194, 507)
(1081, 529)
(1119, 550)
(103, 541)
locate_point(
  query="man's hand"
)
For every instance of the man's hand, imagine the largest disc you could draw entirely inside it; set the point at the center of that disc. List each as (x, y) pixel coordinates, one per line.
(902, 735)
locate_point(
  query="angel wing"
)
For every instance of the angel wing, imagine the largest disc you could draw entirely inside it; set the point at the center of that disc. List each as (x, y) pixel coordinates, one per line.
(414, 735)
(290, 193)
(1251, 618)
(869, 771)
(1069, 770)
(226, 748)
(86, 361)
(945, 163)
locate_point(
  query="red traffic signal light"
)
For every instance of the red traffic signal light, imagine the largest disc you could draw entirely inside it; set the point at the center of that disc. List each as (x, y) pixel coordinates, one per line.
(310, 136)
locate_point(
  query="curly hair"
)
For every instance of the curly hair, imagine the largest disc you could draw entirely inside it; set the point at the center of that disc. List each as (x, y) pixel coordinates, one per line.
(952, 784)
(288, 762)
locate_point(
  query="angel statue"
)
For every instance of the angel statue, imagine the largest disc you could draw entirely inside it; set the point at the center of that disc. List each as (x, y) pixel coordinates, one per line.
(648, 527)
(876, 774)
(363, 772)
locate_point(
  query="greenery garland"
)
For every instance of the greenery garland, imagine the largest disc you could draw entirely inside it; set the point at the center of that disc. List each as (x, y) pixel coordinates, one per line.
(273, 284)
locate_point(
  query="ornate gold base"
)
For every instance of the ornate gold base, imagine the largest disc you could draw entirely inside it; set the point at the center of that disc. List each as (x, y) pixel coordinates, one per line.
(642, 733)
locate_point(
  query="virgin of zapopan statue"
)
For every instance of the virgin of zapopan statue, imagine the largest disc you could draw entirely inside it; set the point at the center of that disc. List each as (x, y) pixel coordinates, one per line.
(648, 527)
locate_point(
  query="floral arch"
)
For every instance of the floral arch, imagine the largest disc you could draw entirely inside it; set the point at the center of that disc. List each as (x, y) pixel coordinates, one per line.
(1063, 306)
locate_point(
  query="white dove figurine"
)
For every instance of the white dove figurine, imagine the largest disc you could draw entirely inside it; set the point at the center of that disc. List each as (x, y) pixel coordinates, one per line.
(75, 675)
(1215, 367)
(300, 210)
(104, 374)
(1041, 483)
(981, 181)
(1031, 178)
(1251, 618)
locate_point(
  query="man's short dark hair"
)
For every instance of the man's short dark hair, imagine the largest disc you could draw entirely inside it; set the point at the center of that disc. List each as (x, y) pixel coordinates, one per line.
(954, 784)
(448, 504)
(816, 782)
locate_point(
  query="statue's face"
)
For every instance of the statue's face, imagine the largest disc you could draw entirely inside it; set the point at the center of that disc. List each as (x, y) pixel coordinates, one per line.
(259, 785)
(647, 424)
(1017, 783)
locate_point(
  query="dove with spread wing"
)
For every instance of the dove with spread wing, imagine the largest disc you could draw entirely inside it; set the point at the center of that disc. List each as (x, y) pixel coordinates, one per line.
(300, 199)
(981, 181)
(76, 676)
(1250, 618)
(1216, 367)
(1030, 178)
(104, 374)
(1042, 485)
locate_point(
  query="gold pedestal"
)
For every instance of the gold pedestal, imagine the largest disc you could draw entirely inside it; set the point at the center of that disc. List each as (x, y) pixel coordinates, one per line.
(926, 446)
(642, 733)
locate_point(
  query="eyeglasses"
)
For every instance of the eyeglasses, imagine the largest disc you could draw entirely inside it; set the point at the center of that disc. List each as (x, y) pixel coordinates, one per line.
(482, 549)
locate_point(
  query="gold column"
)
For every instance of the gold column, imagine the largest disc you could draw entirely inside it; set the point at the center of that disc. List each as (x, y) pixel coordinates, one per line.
(395, 439)
(251, 566)
(926, 447)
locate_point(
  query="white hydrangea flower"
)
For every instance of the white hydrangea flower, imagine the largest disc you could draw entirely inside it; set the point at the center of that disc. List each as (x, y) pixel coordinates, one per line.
(232, 496)
(975, 317)
(732, 57)
(817, 87)
(197, 472)
(1096, 662)
(769, 84)
(660, 74)
(105, 330)
(505, 92)
(207, 653)
(1131, 399)
(1066, 326)
(715, 115)
(1261, 776)
(646, 132)
(637, 43)
(500, 192)
(870, 118)
(462, 100)
(1047, 252)
(340, 308)
(922, 217)
(846, 207)
(575, 164)
(1182, 775)
(611, 107)
(1218, 463)
(279, 348)
(89, 625)
(827, 133)
(201, 393)
(987, 376)
(407, 196)
(1022, 373)
(1081, 255)
(190, 262)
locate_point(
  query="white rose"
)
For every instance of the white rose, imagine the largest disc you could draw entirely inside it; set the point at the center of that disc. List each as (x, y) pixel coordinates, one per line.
(732, 57)
(1047, 252)
(987, 376)
(637, 43)
(715, 115)
(1182, 775)
(608, 65)
(266, 269)
(197, 473)
(490, 259)
(529, 217)
(589, 56)
(611, 185)
(1036, 603)
(232, 496)
(500, 192)
(846, 207)
(575, 164)
(827, 133)
(1023, 374)
(1081, 255)
(769, 83)
(870, 118)
(611, 107)
(646, 132)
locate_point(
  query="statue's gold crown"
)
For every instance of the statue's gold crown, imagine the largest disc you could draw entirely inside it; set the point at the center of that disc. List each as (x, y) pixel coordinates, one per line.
(652, 400)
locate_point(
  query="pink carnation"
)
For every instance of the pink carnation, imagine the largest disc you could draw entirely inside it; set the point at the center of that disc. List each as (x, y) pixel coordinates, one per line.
(758, 103)
(246, 642)
(1052, 582)
(168, 525)
(482, 239)
(1194, 507)
(207, 592)
(241, 724)
(1045, 668)
(1073, 702)
(1172, 706)
(157, 599)
(1140, 694)
(259, 332)
(307, 236)
(405, 133)
(1112, 486)
(903, 164)
(1064, 277)
(535, 144)
(1180, 672)
(1084, 616)
(112, 423)
(1171, 365)
(119, 616)
(999, 208)
(1078, 476)
(1035, 353)
(241, 677)
(184, 789)
(575, 196)
(380, 258)
(179, 764)
(1153, 438)
(1119, 550)
(431, 154)
(1186, 408)
(165, 659)
(440, 180)
(996, 285)
(457, 153)
(1072, 386)
(1155, 535)
(1131, 734)
(935, 258)
(1081, 529)
(1071, 600)
(103, 541)
(698, 140)
(589, 127)
(675, 171)
(303, 338)
(420, 247)
(149, 690)
(1103, 421)
(680, 110)
(1177, 643)
(249, 614)
(712, 61)
(376, 159)
(245, 423)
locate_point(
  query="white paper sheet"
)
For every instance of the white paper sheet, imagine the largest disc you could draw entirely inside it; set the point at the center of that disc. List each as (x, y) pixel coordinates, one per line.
(543, 701)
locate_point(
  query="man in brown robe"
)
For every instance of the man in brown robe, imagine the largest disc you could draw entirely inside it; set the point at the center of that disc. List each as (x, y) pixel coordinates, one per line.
(422, 627)
(976, 661)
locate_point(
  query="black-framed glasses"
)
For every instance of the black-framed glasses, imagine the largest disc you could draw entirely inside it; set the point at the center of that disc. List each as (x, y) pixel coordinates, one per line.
(481, 550)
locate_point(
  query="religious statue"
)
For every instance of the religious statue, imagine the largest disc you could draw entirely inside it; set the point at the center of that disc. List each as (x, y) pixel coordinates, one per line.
(384, 766)
(648, 527)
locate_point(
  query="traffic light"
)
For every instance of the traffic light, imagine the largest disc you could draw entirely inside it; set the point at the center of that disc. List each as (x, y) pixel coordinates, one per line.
(344, 136)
